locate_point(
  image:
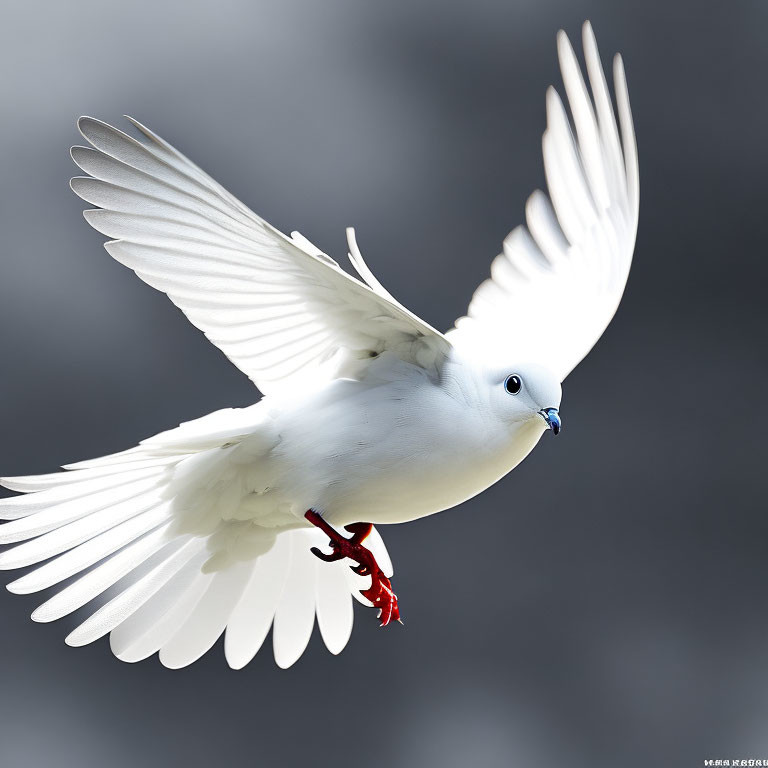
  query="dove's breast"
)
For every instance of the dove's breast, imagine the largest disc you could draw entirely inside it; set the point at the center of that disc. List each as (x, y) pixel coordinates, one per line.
(391, 452)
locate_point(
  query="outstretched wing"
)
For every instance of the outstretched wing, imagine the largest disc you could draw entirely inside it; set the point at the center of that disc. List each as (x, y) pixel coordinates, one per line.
(558, 282)
(276, 306)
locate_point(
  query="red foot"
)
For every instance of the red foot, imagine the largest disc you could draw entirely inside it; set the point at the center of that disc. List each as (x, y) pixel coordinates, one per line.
(380, 592)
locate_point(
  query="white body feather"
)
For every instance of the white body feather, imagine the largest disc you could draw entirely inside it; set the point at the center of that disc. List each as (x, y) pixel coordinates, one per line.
(356, 450)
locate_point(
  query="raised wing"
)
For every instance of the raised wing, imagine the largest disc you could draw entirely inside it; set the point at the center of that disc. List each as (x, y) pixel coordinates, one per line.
(276, 306)
(558, 282)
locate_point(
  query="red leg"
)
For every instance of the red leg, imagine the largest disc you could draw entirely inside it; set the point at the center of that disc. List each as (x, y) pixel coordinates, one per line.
(380, 592)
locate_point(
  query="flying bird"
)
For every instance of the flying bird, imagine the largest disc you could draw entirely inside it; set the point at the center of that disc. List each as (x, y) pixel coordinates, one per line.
(262, 517)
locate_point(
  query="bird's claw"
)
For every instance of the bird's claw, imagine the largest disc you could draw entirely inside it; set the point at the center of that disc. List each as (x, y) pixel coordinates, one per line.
(332, 557)
(380, 593)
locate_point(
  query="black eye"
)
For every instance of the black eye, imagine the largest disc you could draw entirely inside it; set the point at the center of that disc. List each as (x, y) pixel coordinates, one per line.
(513, 384)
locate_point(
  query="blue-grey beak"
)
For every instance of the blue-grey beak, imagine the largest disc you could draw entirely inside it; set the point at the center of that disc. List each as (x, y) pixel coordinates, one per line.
(552, 417)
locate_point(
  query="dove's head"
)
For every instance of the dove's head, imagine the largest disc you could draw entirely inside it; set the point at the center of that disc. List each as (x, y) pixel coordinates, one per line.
(526, 392)
(516, 393)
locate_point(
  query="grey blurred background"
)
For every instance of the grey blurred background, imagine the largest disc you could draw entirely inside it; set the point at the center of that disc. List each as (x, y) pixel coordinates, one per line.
(605, 605)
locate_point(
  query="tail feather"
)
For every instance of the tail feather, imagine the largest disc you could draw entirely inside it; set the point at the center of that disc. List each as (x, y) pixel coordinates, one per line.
(154, 623)
(179, 553)
(204, 625)
(295, 613)
(116, 524)
(334, 606)
(252, 617)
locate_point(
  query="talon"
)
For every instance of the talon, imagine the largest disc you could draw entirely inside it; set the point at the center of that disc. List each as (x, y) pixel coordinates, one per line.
(331, 558)
(359, 532)
(380, 593)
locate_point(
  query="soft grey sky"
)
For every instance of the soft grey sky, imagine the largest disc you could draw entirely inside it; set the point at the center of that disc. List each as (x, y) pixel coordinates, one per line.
(603, 605)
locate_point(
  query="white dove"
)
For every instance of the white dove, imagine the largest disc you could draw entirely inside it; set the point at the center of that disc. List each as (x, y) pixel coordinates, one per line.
(215, 526)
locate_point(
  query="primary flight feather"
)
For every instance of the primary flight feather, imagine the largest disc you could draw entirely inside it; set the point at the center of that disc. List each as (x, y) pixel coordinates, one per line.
(222, 525)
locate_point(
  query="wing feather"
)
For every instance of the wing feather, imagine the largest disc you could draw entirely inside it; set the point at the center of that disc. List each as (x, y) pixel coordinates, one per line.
(559, 280)
(276, 306)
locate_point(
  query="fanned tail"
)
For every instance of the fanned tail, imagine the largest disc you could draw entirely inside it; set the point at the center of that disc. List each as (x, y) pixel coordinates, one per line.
(111, 523)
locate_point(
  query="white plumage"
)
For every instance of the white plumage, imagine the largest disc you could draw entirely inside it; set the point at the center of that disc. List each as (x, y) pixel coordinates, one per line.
(565, 273)
(200, 531)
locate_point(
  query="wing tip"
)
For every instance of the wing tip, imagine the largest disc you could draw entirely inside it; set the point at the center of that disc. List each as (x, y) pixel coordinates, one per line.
(41, 615)
(85, 123)
(76, 149)
(586, 31)
(78, 182)
(554, 107)
(564, 46)
(11, 484)
(20, 587)
(82, 121)
(535, 198)
(76, 639)
(618, 67)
